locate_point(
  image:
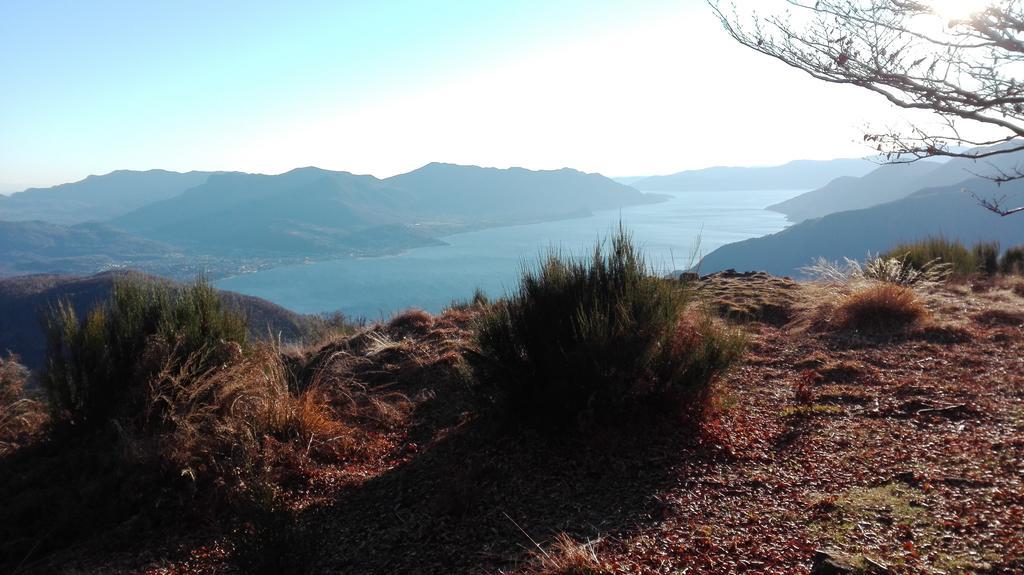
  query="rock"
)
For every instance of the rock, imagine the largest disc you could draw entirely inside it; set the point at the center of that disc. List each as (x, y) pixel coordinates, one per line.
(689, 277)
(828, 562)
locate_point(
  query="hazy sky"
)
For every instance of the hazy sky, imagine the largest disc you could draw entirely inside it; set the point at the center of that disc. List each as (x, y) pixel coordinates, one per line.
(618, 87)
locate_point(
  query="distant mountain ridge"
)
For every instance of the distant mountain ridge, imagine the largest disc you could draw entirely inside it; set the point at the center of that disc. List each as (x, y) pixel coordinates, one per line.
(946, 211)
(231, 222)
(97, 198)
(799, 174)
(891, 182)
(314, 211)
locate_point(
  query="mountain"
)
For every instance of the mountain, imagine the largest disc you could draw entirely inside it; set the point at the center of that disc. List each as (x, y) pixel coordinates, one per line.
(24, 298)
(467, 193)
(946, 211)
(801, 174)
(97, 198)
(885, 184)
(32, 247)
(314, 212)
(893, 182)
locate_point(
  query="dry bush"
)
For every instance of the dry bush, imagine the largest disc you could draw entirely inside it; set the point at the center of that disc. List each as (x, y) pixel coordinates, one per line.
(878, 309)
(20, 414)
(566, 556)
(230, 425)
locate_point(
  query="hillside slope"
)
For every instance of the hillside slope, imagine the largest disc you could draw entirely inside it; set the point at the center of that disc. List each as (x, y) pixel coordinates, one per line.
(97, 198)
(946, 211)
(23, 299)
(34, 246)
(797, 175)
(893, 182)
(885, 184)
(902, 449)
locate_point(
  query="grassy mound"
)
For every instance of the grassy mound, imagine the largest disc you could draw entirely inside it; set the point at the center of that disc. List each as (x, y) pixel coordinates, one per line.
(878, 309)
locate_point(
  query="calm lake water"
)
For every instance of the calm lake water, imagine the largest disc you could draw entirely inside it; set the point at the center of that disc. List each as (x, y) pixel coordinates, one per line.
(431, 278)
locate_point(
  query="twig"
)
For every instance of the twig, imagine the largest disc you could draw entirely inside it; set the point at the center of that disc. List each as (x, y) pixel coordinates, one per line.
(535, 544)
(957, 407)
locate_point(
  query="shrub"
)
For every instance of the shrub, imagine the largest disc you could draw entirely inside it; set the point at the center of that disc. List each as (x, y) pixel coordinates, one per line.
(1012, 262)
(96, 367)
(986, 257)
(921, 253)
(592, 336)
(879, 308)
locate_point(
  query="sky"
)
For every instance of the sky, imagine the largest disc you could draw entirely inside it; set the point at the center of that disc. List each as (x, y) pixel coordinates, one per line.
(624, 88)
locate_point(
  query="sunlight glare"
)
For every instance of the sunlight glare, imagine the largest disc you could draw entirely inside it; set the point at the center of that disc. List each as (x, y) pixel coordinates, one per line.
(957, 9)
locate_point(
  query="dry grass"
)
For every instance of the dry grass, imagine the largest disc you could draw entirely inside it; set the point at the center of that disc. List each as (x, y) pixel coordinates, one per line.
(566, 556)
(744, 298)
(879, 309)
(411, 322)
(225, 424)
(20, 415)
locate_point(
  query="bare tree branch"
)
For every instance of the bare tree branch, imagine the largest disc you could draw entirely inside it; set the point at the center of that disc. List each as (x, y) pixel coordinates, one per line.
(964, 71)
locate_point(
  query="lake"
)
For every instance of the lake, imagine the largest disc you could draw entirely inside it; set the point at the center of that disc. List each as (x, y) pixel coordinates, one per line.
(432, 277)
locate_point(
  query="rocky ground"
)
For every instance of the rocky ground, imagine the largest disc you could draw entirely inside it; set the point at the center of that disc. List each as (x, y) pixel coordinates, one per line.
(899, 453)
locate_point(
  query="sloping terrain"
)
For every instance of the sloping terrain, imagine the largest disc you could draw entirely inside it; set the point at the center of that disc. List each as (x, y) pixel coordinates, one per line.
(902, 451)
(946, 211)
(35, 246)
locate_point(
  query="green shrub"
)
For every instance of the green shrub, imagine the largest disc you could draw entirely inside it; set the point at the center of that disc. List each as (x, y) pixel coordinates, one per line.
(97, 367)
(593, 336)
(920, 254)
(986, 257)
(1012, 262)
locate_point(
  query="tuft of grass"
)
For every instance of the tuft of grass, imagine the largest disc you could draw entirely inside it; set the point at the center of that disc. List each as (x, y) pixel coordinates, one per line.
(591, 337)
(1012, 261)
(893, 270)
(880, 308)
(225, 427)
(566, 556)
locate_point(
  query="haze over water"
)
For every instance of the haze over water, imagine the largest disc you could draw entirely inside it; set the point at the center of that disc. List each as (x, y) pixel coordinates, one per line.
(432, 277)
